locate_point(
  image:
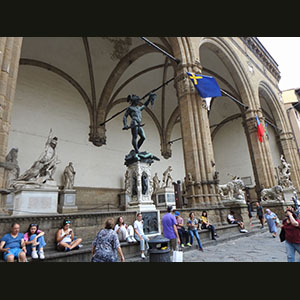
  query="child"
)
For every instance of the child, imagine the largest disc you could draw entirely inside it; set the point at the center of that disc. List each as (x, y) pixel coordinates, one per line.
(34, 241)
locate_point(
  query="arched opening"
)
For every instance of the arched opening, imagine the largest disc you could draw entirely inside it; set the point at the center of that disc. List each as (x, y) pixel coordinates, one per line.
(226, 117)
(272, 121)
(67, 84)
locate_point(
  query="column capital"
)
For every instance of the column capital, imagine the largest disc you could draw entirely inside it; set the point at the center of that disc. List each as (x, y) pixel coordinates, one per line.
(182, 82)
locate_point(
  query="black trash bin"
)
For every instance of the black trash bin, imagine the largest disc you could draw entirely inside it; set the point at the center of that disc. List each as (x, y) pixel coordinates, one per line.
(159, 250)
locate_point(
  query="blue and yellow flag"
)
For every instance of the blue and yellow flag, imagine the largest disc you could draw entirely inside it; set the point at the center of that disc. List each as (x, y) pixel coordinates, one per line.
(206, 85)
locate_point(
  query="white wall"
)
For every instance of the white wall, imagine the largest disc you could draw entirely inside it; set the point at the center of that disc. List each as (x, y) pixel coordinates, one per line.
(231, 152)
(44, 100)
(275, 152)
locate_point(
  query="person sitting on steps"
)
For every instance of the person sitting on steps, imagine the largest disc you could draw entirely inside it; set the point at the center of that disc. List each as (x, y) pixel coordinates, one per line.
(232, 220)
(65, 238)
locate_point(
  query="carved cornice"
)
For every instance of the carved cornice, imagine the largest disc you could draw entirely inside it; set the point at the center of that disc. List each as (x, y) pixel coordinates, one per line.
(263, 55)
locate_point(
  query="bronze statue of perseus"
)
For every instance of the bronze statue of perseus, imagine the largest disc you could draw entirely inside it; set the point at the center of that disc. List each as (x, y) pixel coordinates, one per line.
(135, 112)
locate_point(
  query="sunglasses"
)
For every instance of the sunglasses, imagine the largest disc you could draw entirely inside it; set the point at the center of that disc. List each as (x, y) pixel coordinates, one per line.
(31, 225)
(68, 222)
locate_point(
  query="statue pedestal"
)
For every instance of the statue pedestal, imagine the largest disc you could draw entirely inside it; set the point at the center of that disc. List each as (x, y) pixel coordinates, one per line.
(140, 187)
(30, 200)
(164, 197)
(139, 195)
(67, 201)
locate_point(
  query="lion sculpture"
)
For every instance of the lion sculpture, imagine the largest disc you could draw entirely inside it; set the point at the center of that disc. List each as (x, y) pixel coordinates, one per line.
(273, 193)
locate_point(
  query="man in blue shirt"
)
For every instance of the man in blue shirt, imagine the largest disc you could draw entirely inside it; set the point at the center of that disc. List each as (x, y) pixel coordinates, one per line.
(170, 229)
(12, 245)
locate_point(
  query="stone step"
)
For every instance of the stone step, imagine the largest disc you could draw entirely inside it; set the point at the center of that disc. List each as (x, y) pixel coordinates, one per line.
(208, 242)
(132, 251)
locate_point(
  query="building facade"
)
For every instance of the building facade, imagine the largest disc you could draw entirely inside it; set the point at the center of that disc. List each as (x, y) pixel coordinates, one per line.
(291, 103)
(74, 84)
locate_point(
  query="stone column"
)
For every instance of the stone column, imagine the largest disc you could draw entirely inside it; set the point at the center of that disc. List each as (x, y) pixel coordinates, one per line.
(10, 50)
(291, 155)
(260, 153)
(197, 143)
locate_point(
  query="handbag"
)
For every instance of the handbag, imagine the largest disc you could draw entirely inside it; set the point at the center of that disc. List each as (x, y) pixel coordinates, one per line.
(282, 235)
(177, 256)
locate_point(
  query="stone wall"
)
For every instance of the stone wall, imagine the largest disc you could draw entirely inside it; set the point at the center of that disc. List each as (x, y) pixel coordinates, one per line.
(88, 198)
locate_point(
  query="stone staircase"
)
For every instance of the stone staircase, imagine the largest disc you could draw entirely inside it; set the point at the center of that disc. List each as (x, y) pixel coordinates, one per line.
(225, 233)
(132, 251)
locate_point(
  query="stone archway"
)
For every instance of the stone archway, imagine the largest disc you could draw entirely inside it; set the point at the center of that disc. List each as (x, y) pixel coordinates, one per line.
(232, 147)
(110, 96)
(284, 134)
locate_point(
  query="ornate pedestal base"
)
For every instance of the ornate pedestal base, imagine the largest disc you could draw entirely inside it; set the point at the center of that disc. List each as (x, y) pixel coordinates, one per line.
(140, 187)
(139, 193)
(36, 201)
(67, 201)
(164, 197)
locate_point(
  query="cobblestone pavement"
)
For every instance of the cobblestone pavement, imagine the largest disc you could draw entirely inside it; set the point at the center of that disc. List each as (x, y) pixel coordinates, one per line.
(261, 247)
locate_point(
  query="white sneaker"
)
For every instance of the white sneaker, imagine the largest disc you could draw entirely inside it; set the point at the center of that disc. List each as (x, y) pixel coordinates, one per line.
(42, 255)
(143, 256)
(133, 239)
(34, 254)
(243, 230)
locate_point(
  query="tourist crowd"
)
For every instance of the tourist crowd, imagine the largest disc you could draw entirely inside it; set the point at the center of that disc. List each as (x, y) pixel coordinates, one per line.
(106, 246)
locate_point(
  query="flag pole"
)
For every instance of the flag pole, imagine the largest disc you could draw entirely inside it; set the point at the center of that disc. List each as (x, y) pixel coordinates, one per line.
(235, 100)
(161, 50)
(152, 91)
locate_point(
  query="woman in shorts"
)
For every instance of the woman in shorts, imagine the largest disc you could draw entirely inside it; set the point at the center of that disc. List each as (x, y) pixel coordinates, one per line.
(65, 238)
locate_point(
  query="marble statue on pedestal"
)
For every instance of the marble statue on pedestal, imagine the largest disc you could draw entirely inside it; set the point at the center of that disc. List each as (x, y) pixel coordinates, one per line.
(11, 173)
(11, 166)
(156, 183)
(285, 173)
(69, 176)
(164, 195)
(35, 191)
(43, 168)
(67, 197)
(285, 182)
(167, 178)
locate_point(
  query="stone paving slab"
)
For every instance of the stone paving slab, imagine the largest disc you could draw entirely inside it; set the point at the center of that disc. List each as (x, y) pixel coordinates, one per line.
(261, 247)
(257, 247)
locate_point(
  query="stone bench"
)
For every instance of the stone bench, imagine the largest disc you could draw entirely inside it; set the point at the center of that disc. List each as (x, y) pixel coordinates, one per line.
(83, 254)
(130, 250)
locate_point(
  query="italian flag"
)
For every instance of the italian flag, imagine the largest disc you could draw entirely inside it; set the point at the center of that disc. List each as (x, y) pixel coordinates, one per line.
(260, 129)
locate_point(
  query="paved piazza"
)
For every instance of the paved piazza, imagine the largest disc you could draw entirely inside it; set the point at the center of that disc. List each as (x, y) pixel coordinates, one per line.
(261, 247)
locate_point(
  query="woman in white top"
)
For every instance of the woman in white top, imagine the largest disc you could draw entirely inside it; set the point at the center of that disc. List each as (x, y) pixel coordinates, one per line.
(65, 238)
(139, 235)
(124, 232)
